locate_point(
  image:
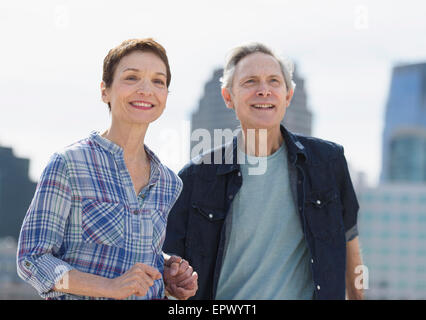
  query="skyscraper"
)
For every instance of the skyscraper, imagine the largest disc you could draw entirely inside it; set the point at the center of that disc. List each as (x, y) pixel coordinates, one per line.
(392, 230)
(212, 113)
(404, 135)
(392, 217)
(16, 192)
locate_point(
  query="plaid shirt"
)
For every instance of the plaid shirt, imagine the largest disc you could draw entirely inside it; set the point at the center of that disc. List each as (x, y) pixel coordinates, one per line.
(85, 215)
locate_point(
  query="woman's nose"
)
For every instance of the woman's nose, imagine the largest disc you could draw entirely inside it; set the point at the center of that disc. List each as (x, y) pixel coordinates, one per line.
(144, 88)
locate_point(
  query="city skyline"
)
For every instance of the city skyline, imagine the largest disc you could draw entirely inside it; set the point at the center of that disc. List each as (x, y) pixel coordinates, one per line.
(344, 51)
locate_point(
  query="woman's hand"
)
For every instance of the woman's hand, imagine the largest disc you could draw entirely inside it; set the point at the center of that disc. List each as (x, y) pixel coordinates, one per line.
(137, 280)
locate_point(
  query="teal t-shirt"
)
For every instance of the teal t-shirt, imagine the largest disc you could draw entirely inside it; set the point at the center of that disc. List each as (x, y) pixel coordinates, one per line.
(266, 256)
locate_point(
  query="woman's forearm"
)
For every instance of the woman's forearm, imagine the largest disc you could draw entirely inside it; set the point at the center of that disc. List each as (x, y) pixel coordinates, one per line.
(83, 284)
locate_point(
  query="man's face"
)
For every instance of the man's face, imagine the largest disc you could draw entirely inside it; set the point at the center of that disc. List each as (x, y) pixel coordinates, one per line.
(258, 95)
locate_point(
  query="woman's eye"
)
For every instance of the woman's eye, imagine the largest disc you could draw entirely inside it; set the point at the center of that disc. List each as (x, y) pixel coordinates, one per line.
(159, 81)
(130, 78)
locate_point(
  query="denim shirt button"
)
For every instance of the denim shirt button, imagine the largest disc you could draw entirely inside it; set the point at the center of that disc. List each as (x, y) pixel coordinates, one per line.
(318, 202)
(318, 287)
(312, 260)
(211, 216)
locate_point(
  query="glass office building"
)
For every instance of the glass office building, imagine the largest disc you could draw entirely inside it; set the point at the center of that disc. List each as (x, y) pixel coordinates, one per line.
(404, 135)
(392, 232)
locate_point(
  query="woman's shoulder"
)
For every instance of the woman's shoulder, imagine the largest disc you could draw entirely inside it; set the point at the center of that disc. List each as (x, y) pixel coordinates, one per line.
(77, 151)
(79, 146)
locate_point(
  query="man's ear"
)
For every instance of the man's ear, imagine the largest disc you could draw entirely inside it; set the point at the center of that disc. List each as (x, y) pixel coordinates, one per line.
(288, 97)
(104, 93)
(227, 98)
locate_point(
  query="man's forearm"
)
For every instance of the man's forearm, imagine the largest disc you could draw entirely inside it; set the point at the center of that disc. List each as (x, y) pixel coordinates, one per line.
(83, 284)
(354, 271)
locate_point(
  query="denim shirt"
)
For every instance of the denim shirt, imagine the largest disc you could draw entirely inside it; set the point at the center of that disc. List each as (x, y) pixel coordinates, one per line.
(322, 190)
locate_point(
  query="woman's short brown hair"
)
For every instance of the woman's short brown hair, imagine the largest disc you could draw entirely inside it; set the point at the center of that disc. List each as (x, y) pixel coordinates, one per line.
(115, 55)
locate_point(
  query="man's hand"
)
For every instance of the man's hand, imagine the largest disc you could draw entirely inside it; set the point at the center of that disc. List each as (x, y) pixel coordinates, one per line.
(179, 278)
(137, 280)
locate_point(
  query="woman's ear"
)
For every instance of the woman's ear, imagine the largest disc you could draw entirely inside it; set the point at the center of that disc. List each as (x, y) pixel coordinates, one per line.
(104, 93)
(227, 98)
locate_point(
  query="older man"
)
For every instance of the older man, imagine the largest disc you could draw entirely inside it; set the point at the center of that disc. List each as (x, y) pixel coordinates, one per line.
(276, 217)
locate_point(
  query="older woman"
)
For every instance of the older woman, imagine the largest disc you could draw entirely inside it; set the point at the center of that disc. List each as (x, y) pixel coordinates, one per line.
(96, 225)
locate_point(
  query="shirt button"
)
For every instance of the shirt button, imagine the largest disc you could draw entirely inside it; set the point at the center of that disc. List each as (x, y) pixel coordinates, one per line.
(135, 211)
(318, 287)
(211, 216)
(312, 260)
(239, 173)
(231, 196)
(27, 264)
(318, 202)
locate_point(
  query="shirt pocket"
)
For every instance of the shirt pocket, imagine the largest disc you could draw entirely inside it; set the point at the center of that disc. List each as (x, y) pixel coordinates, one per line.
(324, 214)
(102, 222)
(205, 227)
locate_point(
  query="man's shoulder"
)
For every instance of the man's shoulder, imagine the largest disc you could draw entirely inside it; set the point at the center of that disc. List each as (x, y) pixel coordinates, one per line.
(319, 149)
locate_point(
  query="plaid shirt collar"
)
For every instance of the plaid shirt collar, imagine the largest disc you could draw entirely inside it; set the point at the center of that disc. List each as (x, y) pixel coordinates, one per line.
(118, 151)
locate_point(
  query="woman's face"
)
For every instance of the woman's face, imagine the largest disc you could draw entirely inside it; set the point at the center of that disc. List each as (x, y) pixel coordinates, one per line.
(138, 92)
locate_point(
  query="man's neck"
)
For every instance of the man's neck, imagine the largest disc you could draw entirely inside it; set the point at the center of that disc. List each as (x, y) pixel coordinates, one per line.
(262, 142)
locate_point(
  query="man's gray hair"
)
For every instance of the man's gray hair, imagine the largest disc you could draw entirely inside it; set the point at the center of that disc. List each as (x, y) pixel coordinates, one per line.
(240, 52)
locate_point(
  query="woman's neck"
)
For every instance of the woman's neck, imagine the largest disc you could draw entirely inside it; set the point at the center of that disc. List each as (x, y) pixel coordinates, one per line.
(130, 138)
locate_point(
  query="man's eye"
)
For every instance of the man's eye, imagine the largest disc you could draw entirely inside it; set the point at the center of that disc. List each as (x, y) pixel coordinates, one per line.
(130, 78)
(249, 81)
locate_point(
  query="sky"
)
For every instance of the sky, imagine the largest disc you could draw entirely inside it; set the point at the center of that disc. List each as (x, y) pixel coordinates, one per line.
(52, 54)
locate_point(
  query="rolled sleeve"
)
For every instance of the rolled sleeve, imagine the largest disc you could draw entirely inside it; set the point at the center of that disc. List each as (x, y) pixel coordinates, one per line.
(43, 230)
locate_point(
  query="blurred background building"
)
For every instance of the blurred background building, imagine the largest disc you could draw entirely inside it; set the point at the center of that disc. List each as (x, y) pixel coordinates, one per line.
(404, 135)
(392, 218)
(16, 192)
(213, 114)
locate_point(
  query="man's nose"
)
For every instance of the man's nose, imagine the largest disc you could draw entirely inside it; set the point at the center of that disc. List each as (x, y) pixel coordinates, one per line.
(263, 90)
